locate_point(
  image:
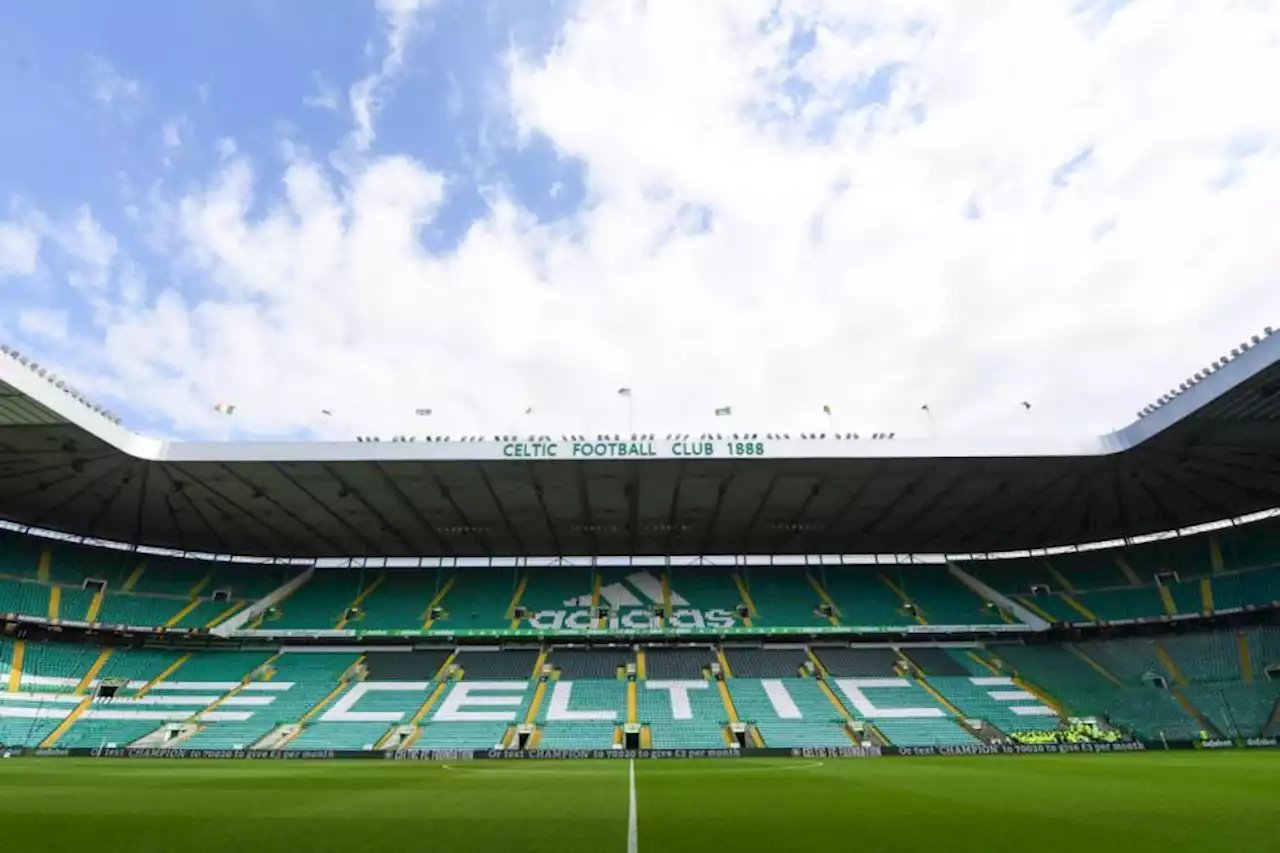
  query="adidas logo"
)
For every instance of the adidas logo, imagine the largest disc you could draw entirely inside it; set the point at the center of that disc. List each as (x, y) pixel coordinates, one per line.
(640, 589)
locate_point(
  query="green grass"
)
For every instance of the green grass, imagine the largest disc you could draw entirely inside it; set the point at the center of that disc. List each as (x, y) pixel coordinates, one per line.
(1030, 804)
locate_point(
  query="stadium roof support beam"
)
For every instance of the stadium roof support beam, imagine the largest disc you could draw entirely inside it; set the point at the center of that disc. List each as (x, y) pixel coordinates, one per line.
(502, 511)
(226, 502)
(765, 496)
(673, 509)
(175, 488)
(383, 524)
(1004, 506)
(280, 472)
(469, 528)
(39, 518)
(541, 498)
(140, 514)
(852, 502)
(1168, 477)
(409, 506)
(722, 489)
(584, 512)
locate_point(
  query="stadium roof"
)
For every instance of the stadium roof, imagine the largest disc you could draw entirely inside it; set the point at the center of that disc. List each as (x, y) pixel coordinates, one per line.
(1211, 453)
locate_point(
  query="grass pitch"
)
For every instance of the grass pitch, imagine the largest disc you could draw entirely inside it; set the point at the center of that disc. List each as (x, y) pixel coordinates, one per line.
(1157, 801)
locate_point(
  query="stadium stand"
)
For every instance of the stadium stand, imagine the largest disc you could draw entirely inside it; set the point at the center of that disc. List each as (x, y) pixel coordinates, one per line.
(781, 595)
(1178, 577)
(396, 598)
(418, 665)
(322, 601)
(560, 588)
(876, 662)
(940, 599)
(510, 664)
(578, 664)
(680, 664)
(600, 705)
(765, 663)
(941, 662)
(314, 679)
(863, 596)
(340, 700)
(682, 714)
(705, 588)
(477, 597)
(790, 712)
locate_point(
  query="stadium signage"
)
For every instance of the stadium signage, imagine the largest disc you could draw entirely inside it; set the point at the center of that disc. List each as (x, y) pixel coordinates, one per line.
(1217, 744)
(632, 449)
(1022, 749)
(634, 627)
(455, 755)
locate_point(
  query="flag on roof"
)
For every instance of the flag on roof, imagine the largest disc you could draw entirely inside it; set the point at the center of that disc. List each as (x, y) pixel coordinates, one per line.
(624, 392)
(826, 410)
(422, 413)
(224, 409)
(529, 411)
(724, 411)
(1026, 405)
(326, 413)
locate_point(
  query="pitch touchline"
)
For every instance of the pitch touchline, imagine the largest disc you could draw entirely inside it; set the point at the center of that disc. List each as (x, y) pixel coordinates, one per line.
(633, 836)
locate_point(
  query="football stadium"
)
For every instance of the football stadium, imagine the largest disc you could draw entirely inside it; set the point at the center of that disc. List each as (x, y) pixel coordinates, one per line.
(622, 638)
(639, 426)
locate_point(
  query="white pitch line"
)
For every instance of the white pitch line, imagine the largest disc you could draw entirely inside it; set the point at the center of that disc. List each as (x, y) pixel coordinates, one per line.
(633, 835)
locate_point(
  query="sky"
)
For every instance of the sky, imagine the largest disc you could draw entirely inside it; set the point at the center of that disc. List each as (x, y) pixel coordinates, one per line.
(487, 207)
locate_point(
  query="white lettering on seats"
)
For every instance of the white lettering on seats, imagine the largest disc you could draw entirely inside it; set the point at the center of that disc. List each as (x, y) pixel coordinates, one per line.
(341, 711)
(559, 708)
(1038, 709)
(463, 694)
(783, 705)
(679, 692)
(853, 687)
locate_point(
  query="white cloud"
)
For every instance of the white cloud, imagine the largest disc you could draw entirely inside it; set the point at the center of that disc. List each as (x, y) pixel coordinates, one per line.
(763, 230)
(324, 98)
(89, 247)
(400, 18)
(112, 89)
(44, 324)
(19, 250)
(171, 134)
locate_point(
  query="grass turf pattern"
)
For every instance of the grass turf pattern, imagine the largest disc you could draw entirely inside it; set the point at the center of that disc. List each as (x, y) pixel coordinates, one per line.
(1135, 802)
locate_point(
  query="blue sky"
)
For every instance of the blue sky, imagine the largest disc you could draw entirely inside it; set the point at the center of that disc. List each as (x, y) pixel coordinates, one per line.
(487, 207)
